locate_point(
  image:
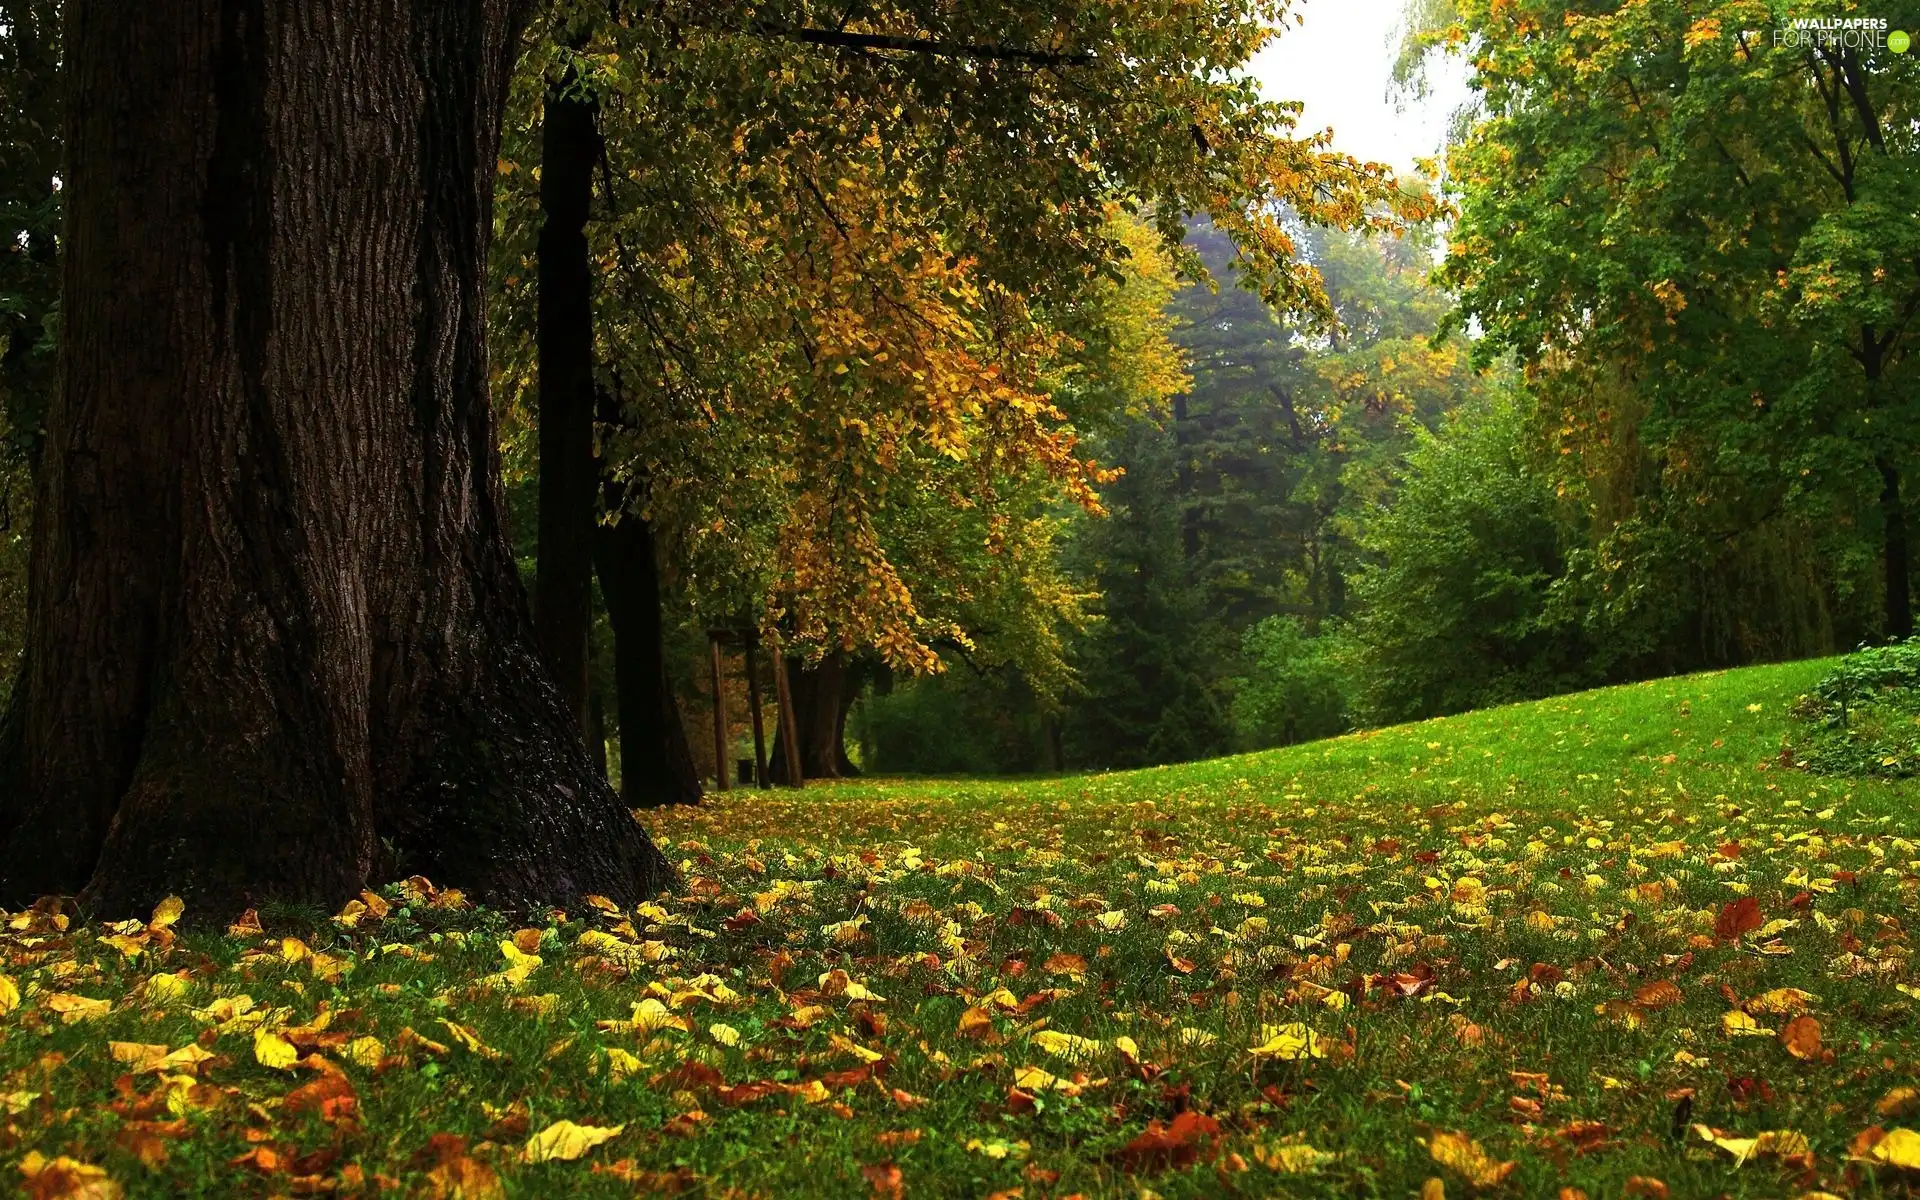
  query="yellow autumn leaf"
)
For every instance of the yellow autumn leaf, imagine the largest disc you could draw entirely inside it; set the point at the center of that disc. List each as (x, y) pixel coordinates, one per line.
(137, 1057)
(1783, 1002)
(564, 1141)
(1292, 1158)
(73, 1008)
(1900, 1148)
(1739, 1024)
(848, 1046)
(163, 990)
(1460, 1153)
(167, 912)
(838, 983)
(1289, 1042)
(1780, 1143)
(470, 1040)
(366, 1052)
(66, 1178)
(622, 1064)
(1067, 1045)
(272, 1050)
(9, 995)
(726, 1035)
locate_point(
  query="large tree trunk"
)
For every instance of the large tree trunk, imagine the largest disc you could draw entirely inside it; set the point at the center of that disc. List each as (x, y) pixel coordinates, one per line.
(1898, 571)
(656, 763)
(569, 480)
(274, 617)
(823, 695)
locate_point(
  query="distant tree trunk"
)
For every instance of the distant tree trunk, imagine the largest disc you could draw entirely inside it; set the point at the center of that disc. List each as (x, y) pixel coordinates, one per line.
(1898, 571)
(656, 763)
(569, 479)
(822, 698)
(274, 615)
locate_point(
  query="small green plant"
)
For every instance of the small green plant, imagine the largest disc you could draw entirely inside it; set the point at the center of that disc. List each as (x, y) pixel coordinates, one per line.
(1864, 716)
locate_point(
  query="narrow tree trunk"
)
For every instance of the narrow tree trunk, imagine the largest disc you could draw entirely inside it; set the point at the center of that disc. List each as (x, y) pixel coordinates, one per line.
(569, 479)
(656, 762)
(1899, 577)
(821, 702)
(274, 616)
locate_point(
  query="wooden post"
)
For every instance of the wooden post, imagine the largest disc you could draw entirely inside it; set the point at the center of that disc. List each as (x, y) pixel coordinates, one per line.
(719, 717)
(752, 640)
(789, 728)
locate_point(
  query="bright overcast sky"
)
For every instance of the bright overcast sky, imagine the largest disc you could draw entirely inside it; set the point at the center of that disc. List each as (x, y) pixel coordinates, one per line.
(1340, 63)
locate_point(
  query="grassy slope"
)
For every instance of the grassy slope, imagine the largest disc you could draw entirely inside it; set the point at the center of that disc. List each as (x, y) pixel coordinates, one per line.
(1466, 850)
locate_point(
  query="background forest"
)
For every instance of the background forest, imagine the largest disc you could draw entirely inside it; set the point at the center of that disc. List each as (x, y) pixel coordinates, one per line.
(1146, 514)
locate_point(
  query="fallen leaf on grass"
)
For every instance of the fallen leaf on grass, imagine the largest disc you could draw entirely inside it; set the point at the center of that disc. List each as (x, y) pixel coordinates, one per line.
(469, 1040)
(1738, 1024)
(72, 1008)
(1737, 918)
(838, 983)
(1783, 1002)
(272, 1050)
(1783, 1144)
(329, 1094)
(1659, 994)
(1072, 965)
(1177, 1143)
(1460, 1153)
(1892, 1148)
(1067, 1045)
(1898, 1102)
(564, 1141)
(1801, 1037)
(457, 1175)
(885, 1179)
(64, 1178)
(998, 1148)
(1289, 1042)
(1292, 1157)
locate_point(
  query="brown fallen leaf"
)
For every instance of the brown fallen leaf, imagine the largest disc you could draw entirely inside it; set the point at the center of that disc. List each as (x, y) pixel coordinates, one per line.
(885, 1179)
(1178, 1143)
(455, 1174)
(1738, 918)
(1801, 1037)
(1067, 964)
(330, 1095)
(1661, 993)
(65, 1178)
(977, 1023)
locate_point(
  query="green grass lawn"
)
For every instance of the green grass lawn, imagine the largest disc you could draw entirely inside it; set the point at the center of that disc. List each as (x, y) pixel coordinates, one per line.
(1522, 936)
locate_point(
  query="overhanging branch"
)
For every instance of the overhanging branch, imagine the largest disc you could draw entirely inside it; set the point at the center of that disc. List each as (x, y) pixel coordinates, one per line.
(840, 39)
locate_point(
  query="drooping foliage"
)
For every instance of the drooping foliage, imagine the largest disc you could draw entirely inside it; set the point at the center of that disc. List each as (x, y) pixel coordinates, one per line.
(856, 281)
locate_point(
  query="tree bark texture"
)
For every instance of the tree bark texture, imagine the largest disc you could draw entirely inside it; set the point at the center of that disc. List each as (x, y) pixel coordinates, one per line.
(569, 474)
(274, 619)
(823, 695)
(656, 762)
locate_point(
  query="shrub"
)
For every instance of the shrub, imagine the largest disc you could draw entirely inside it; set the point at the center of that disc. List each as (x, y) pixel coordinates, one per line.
(1294, 690)
(1864, 717)
(1458, 610)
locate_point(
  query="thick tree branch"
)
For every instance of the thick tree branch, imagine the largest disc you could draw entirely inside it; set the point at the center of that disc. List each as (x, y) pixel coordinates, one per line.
(980, 52)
